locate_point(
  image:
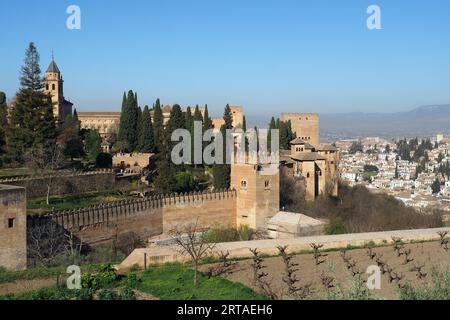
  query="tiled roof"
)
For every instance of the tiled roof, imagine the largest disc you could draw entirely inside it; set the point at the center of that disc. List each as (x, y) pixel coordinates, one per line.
(307, 156)
(53, 67)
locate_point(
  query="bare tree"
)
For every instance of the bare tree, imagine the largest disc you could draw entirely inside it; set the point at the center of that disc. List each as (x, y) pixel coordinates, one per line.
(407, 254)
(73, 246)
(442, 241)
(317, 254)
(225, 266)
(46, 243)
(327, 281)
(191, 242)
(398, 245)
(290, 276)
(45, 163)
(420, 273)
(259, 276)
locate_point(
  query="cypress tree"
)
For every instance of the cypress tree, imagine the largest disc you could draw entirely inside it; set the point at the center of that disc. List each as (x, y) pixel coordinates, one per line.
(197, 117)
(31, 122)
(158, 125)
(146, 138)
(93, 144)
(176, 121)
(272, 125)
(128, 129)
(122, 128)
(207, 122)
(189, 124)
(221, 172)
(3, 122)
(165, 181)
(189, 120)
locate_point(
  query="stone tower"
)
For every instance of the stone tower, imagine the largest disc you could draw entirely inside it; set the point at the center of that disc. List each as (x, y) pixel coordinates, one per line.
(305, 126)
(13, 228)
(54, 84)
(257, 193)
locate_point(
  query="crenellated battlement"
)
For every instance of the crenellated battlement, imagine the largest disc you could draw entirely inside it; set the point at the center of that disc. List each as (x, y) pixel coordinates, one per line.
(121, 210)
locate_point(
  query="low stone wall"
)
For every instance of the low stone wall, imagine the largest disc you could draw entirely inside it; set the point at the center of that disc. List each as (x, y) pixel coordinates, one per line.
(63, 184)
(169, 254)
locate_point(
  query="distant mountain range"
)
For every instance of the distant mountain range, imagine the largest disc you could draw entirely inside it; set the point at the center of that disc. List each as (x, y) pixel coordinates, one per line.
(422, 121)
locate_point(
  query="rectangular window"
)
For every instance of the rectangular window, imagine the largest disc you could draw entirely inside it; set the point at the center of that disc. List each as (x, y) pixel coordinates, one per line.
(11, 223)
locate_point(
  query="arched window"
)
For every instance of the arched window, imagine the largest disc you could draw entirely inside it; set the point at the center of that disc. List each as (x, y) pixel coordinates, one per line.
(46, 87)
(307, 175)
(267, 184)
(53, 86)
(243, 184)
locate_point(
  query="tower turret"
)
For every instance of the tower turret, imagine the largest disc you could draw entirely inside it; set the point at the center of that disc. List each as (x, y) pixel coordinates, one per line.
(53, 84)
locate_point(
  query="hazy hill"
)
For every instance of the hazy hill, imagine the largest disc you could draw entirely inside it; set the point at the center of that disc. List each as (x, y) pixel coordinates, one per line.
(422, 121)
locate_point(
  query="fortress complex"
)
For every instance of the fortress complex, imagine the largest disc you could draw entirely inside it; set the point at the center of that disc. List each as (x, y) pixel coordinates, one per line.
(253, 199)
(307, 159)
(108, 122)
(316, 163)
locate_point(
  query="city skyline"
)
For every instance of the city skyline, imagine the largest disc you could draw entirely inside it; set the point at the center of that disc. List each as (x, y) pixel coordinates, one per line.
(191, 54)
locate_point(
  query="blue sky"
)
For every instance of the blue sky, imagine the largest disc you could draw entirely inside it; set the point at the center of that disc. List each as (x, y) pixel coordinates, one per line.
(269, 56)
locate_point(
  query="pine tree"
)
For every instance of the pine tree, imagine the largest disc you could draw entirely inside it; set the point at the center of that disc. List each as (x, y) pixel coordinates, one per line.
(3, 122)
(31, 122)
(158, 125)
(146, 138)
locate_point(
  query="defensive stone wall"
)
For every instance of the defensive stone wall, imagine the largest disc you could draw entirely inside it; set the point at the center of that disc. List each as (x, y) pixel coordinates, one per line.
(146, 217)
(66, 183)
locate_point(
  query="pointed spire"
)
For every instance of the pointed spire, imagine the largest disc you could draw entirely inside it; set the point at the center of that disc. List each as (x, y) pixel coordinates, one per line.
(52, 66)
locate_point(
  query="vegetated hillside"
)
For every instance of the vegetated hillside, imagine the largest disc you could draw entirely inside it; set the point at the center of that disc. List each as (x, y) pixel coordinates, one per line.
(356, 209)
(422, 121)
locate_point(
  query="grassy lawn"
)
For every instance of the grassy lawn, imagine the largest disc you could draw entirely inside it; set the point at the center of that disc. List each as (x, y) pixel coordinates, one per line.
(16, 172)
(175, 281)
(59, 203)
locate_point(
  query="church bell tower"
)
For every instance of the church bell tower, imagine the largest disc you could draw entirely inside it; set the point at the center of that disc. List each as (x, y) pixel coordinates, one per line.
(53, 84)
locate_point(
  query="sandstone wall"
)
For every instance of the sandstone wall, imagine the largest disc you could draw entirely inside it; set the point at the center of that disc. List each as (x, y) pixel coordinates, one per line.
(13, 238)
(207, 208)
(146, 217)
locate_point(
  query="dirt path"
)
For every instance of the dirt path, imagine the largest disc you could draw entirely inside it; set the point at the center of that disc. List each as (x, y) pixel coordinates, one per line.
(429, 253)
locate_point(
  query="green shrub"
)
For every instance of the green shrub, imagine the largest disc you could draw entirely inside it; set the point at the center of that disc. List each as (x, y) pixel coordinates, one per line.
(438, 289)
(357, 291)
(103, 279)
(126, 294)
(107, 294)
(103, 160)
(130, 280)
(335, 226)
(229, 234)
